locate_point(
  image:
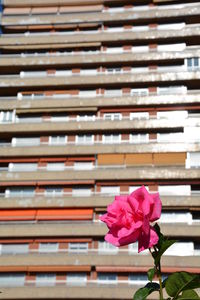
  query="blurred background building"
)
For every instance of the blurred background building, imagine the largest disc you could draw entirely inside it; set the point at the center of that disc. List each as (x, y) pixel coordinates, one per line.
(97, 97)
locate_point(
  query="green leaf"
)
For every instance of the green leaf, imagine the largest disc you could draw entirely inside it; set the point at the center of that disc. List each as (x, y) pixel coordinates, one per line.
(150, 274)
(163, 247)
(189, 295)
(144, 292)
(180, 281)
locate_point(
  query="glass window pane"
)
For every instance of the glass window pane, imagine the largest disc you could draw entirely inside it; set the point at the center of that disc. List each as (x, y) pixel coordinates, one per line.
(45, 279)
(76, 278)
(14, 248)
(12, 280)
(78, 247)
(48, 247)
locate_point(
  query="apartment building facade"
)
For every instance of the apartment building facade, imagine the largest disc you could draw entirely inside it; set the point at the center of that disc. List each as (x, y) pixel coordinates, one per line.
(97, 97)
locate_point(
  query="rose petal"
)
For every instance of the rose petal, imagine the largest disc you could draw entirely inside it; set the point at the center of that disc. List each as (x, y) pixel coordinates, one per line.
(147, 241)
(157, 207)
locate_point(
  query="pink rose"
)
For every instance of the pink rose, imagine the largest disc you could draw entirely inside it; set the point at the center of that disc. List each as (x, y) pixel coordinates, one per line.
(128, 219)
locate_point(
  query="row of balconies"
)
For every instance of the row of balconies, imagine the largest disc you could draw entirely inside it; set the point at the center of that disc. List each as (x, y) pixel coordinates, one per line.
(10, 116)
(87, 216)
(83, 248)
(98, 13)
(69, 292)
(95, 199)
(132, 173)
(64, 103)
(104, 54)
(84, 229)
(108, 161)
(191, 64)
(152, 77)
(19, 3)
(45, 149)
(138, 33)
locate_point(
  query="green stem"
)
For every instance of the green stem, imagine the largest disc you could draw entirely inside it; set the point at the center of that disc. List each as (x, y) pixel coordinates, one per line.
(159, 274)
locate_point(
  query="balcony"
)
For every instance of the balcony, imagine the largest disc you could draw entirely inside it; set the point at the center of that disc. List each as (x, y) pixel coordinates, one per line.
(90, 229)
(37, 104)
(6, 149)
(108, 15)
(44, 40)
(14, 81)
(113, 174)
(100, 125)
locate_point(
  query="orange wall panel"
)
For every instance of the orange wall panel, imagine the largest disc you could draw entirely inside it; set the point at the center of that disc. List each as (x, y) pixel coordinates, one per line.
(139, 159)
(15, 215)
(64, 214)
(110, 159)
(169, 158)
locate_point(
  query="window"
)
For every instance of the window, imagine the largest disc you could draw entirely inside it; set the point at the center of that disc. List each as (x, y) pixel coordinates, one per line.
(30, 96)
(133, 248)
(176, 217)
(48, 247)
(114, 50)
(115, 29)
(139, 138)
(193, 160)
(88, 72)
(181, 249)
(192, 134)
(29, 119)
(140, 49)
(56, 166)
(113, 93)
(139, 92)
(176, 115)
(20, 142)
(33, 74)
(45, 279)
(170, 137)
(76, 278)
(7, 116)
(83, 165)
(81, 118)
(81, 191)
(137, 279)
(114, 70)
(171, 47)
(172, 90)
(193, 63)
(110, 190)
(85, 139)
(20, 192)
(88, 93)
(59, 118)
(106, 248)
(139, 70)
(78, 247)
(112, 116)
(111, 138)
(62, 73)
(12, 280)
(107, 278)
(53, 191)
(135, 187)
(58, 140)
(140, 28)
(139, 115)
(172, 190)
(173, 26)
(14, 248)
(22, 167)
